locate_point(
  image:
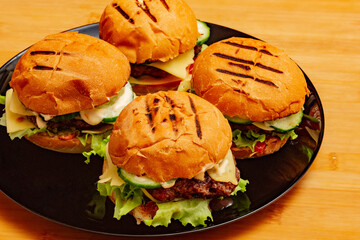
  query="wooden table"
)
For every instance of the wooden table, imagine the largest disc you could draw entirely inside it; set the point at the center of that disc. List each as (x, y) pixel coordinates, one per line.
(322, 36)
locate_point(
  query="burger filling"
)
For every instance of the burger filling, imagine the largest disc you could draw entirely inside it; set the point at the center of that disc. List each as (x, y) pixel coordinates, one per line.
(254, 135)
(152, 77)
(157, 205)
(171, 75)
(21, 121)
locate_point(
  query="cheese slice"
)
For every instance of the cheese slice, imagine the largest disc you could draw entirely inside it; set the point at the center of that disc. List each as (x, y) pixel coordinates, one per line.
(14, 121)
(178, 65)
(110, 174)
(17, 107)
(225, 170)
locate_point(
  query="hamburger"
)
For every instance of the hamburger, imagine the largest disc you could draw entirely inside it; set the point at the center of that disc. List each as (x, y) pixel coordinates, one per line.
(66, 92)
(168, 154)
(158, 37)
(258, 88)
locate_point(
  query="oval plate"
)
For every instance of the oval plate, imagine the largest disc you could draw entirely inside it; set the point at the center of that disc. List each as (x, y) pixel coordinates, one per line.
(61, 187)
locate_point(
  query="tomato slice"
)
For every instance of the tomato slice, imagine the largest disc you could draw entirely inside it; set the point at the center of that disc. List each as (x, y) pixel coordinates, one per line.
(190, 68)
(260, 147)
(67, 136)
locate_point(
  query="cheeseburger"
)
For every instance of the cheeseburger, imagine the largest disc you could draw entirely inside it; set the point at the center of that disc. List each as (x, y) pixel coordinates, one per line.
(258, 88)
(158, 37)
(169, 153)
(66, 90)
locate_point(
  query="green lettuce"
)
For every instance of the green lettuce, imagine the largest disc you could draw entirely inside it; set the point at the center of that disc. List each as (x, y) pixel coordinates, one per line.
(2, 99)
(69, 116)
(192, 211)
(240, 187)
(282, 136)
(247, 139)
(26, 132)
(98, 144)
(3, 120)
(127, 197)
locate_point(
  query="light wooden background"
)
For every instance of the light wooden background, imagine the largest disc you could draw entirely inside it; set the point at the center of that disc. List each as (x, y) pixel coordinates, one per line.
(322, 36)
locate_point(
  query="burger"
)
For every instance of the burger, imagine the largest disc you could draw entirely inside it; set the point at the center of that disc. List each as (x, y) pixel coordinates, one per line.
(159, 38)
(258, 88)
(168, 154)
(67, 91)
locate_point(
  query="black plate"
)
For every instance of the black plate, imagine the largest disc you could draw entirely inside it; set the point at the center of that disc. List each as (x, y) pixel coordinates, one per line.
(60, 186)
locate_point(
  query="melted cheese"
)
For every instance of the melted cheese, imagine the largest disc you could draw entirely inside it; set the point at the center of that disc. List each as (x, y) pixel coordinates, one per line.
(17, 107)
(110, 174)
(178, 65)
(15, 121)
(225, 171)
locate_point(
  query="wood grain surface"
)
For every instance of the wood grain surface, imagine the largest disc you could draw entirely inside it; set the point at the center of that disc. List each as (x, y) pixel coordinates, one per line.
(322, 36)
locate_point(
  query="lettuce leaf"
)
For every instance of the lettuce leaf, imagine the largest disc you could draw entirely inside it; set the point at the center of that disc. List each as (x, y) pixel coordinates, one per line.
(98, 145)
(240, 187)
(2, 99)
(26, 132)
(3, 120)
(127, 197)
(282, 136)
(192, 211)
(69, 116)
(247, 139)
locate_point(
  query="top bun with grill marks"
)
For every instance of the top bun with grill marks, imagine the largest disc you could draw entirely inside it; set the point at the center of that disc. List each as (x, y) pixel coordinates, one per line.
(249, 79)
(69, 72)
(146, 30)
(169, 135)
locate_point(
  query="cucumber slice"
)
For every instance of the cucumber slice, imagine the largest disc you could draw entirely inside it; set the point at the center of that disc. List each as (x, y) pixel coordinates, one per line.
(109, 120)
(110, 110)
(204, 31)
(263, 125)
(287, 123)
(238, 120)
(142, 182)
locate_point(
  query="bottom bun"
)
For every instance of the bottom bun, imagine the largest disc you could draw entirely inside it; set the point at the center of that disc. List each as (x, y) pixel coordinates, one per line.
(272, 144)
(60, 143)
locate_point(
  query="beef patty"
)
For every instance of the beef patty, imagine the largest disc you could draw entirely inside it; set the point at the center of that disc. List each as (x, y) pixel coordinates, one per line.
(194, 188)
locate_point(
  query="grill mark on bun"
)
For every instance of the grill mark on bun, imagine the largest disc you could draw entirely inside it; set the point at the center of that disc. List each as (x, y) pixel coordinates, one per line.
(197, 122)
(48, 53)
(240, 65)
(269, 83)
(172, 115)
(224, 56)
(149, 117)
(268, 68)
(266, 82)
(123, 13)
(39, 67)
(228, 57)
(146, 9)
(43, 53)
(267, 52)
(249, 48)
(234, 73)
(241, 46)
(165, 4)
